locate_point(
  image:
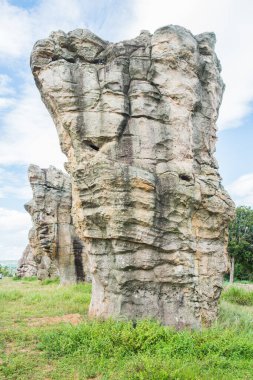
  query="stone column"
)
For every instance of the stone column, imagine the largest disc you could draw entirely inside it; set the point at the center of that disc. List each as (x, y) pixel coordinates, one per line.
(137, 122)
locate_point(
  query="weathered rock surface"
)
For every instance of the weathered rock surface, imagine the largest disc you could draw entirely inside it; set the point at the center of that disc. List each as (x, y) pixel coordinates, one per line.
(136, 120)
(27, 266)
(56, 248)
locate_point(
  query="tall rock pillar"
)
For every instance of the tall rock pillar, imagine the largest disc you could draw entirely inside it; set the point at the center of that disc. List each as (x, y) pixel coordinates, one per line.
(136, 120)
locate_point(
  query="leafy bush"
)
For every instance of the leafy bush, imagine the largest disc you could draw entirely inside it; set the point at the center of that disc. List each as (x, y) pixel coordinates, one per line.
(5, 271)
(16, 278)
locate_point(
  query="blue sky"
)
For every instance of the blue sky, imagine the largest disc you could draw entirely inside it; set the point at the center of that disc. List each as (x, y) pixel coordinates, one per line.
(234, 151)
(27, 134)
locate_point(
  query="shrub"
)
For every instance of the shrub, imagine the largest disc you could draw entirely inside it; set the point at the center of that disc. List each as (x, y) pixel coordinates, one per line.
(27, 279)
(50, 281)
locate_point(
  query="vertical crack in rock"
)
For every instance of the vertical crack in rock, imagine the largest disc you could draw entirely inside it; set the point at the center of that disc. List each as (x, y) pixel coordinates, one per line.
(137, 122)
(54, 248)
(78, 254)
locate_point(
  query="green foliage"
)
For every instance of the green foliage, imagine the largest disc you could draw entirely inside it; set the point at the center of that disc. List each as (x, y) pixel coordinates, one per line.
(234, 315)
(104, 338)
(5, 271)
(151, 351)
(240, 244)
(26, 279)
(119, 339)
(16, 278)
(50, 281)
(10, 295)
(238, 296)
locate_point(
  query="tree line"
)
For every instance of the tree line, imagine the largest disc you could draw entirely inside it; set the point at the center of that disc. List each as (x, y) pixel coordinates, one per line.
(5, 271)
(240, 245)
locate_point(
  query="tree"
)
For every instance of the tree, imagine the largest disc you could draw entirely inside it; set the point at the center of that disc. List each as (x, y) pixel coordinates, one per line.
(5, 271)
(240, 244)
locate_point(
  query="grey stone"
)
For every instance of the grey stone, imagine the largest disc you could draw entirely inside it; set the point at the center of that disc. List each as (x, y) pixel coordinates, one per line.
(27, 266)
(56, 248)
(137, 122)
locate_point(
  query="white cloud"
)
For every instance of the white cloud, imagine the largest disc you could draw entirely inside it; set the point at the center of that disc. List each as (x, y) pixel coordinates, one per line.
(6, 86)
(231, 20)
(241, 190)
(6, 103)
(15, 29)
(10, 218)
(20, 28)
(14, 226)
(23, 192)
(6, 92)
(28, 133)
(12, 186)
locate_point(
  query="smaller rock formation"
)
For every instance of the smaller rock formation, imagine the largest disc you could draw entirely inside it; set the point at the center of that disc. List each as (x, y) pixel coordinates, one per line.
(55, 247)
(27, 266)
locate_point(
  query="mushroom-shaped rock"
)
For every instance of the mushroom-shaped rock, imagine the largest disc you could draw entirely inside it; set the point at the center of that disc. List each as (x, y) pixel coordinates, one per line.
(137, 122)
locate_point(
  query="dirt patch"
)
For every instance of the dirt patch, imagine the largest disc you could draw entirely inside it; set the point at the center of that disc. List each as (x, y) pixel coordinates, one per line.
(9, 348)
(74, 319)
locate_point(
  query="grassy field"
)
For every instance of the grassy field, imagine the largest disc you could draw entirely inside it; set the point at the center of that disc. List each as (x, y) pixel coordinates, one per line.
(51, 348)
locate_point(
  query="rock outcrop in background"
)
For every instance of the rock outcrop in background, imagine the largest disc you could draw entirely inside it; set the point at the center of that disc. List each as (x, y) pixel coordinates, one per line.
(27, 266)
(136, 120)
(53, 242)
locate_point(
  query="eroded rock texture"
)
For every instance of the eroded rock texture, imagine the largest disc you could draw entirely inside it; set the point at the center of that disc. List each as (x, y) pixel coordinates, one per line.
(136, 120)
(56, 248)
(27, 266)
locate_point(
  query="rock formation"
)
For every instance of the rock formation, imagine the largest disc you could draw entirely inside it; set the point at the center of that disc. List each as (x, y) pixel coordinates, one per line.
(56, 248)
(27, 266)
(136, 120)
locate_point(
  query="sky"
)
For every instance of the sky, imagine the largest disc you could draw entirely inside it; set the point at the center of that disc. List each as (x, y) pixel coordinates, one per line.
(27, 133)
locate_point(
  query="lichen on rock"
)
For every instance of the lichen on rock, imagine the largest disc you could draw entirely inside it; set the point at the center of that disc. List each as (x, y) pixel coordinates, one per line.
(137, 122)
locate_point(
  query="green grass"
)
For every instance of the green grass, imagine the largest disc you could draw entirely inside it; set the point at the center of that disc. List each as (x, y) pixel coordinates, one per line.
(115, 350)
(10, 295)
(239, 296)
(26, 279)
(50, 281)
